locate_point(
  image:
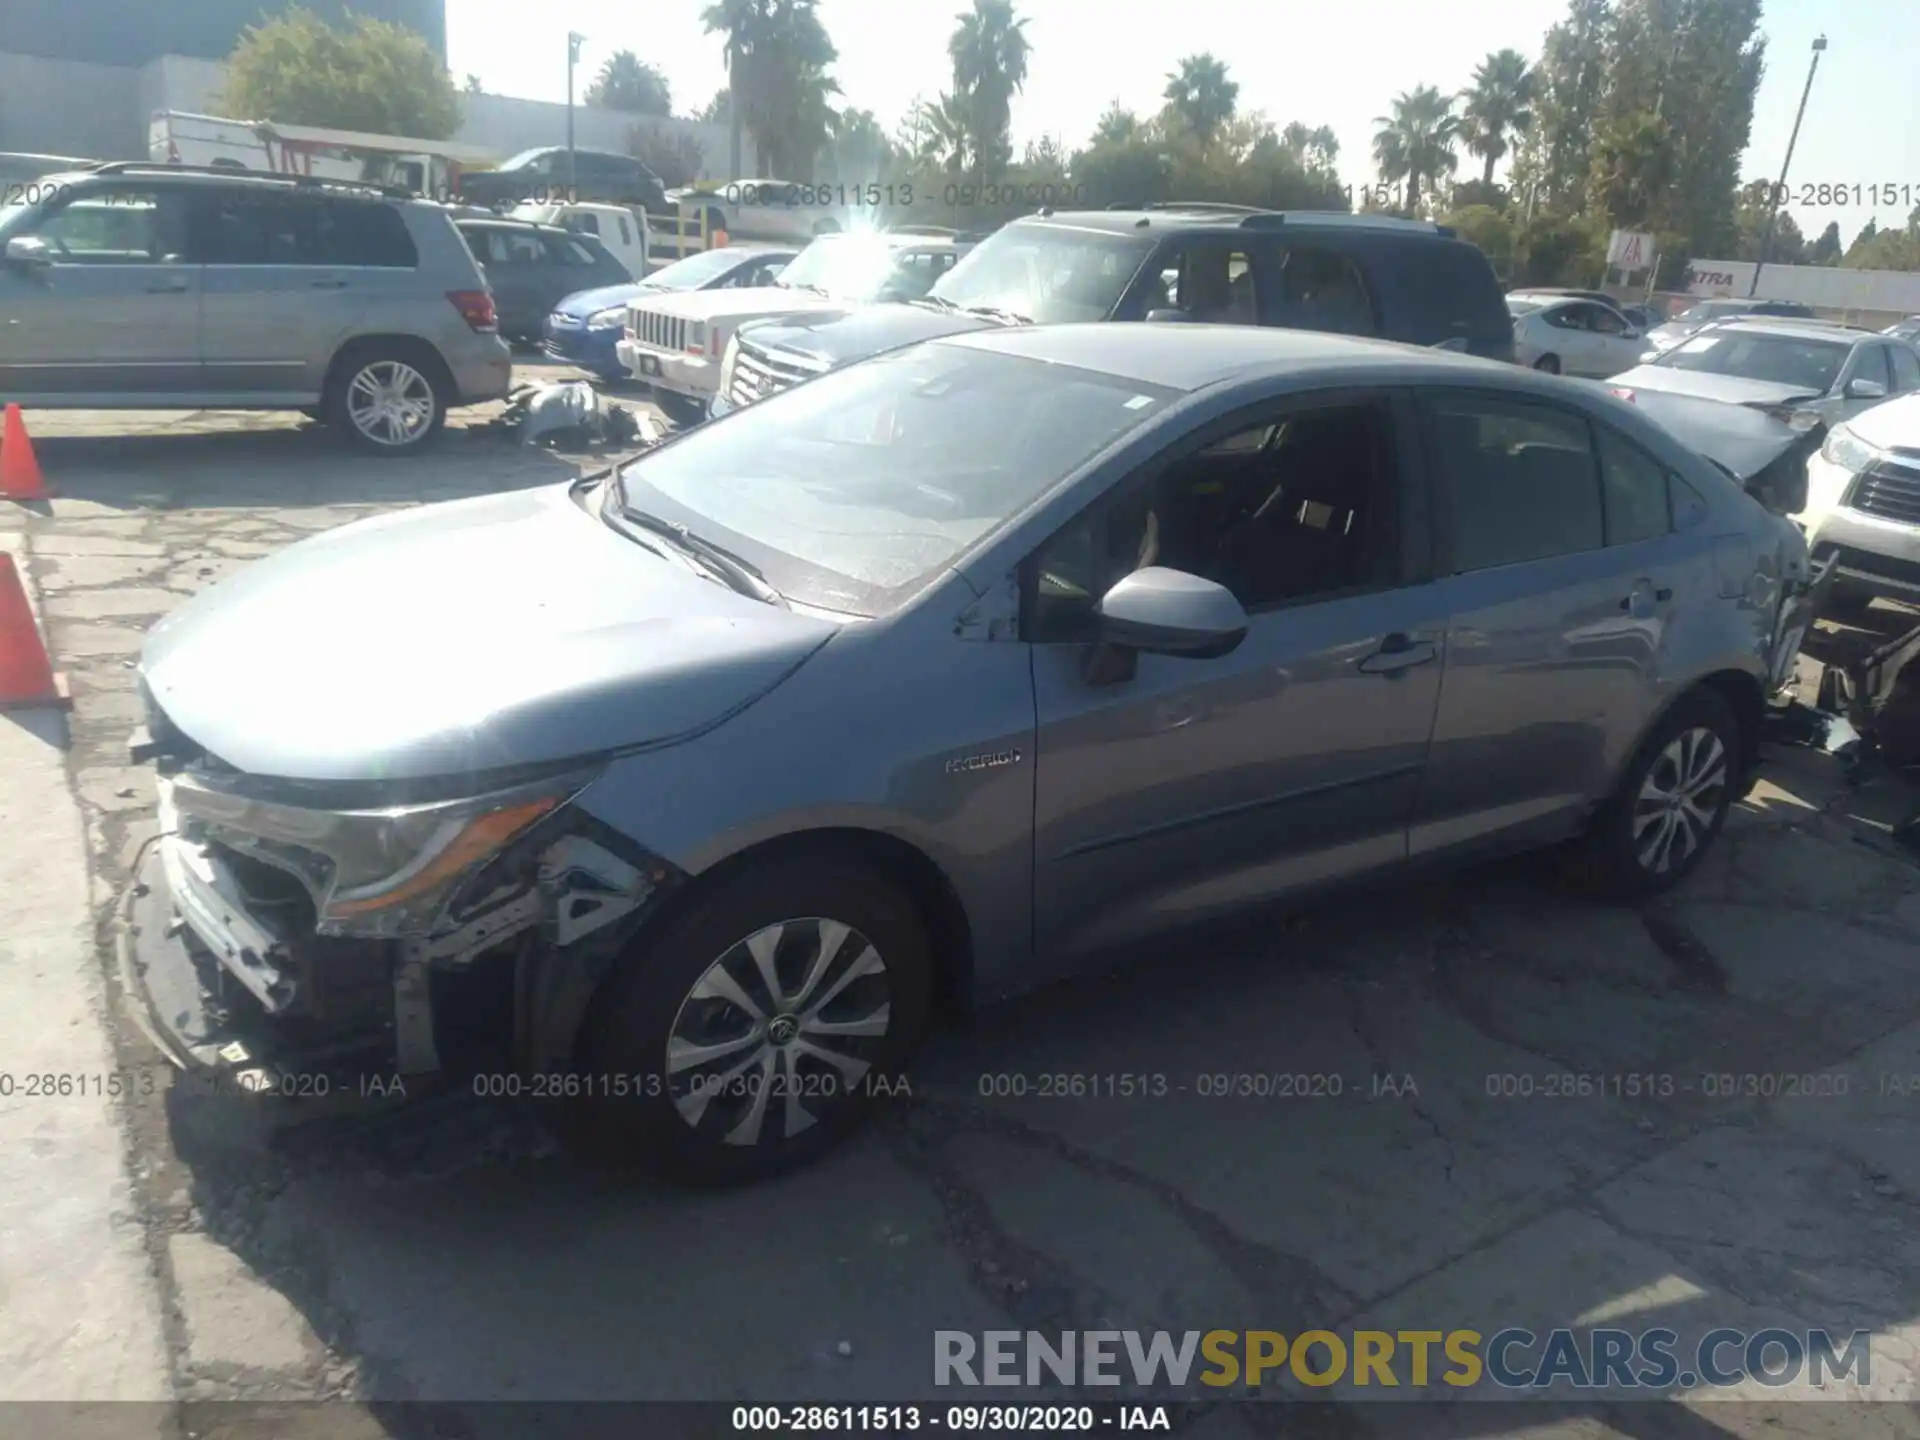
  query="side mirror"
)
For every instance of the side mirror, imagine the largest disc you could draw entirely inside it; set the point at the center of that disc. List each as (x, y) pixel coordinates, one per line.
(1164, 612)
(1856, 389)
(29, 252)
(1167, 316)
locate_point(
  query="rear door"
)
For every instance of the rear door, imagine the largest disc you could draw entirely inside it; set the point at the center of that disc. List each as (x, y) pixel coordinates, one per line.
(288, 274)
(118, 310)
(1555, 636)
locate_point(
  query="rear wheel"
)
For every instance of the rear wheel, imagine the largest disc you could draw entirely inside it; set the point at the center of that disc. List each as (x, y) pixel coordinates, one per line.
(1550, 364)
(389, 399)
(1671, 803)
(761, 1025)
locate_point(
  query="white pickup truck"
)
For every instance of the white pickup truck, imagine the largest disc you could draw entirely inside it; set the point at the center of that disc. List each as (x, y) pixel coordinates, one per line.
(620, 229)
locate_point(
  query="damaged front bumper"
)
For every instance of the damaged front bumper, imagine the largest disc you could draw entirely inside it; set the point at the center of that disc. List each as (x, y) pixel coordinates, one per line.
(226, 970)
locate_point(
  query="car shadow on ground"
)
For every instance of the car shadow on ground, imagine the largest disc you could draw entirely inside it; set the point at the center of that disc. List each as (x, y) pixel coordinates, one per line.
(290, 466)
(453, 1257)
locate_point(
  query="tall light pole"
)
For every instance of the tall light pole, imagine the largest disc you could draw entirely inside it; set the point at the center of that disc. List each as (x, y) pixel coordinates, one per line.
(1773, 200)
(574, 42)
(733, 105)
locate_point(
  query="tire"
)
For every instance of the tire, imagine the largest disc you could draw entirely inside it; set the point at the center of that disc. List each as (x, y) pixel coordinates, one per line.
(695, 1122)
(1548, 364)
(412, 375)
(1622, 854)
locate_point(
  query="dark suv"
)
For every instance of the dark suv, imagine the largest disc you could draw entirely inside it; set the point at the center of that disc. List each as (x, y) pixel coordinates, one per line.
(541, 176)
(1367, 275)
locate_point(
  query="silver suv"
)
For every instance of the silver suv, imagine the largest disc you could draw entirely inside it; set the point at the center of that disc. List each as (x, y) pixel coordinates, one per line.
(141, 286)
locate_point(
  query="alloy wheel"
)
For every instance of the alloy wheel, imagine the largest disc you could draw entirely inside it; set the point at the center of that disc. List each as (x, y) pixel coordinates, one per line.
(391, 403)
(786, 1023)
(1679, 800)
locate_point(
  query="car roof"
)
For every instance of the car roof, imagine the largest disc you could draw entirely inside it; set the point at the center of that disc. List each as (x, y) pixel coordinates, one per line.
(1797, 329)
(1197, 215)
(222, 175)
(1190, 357)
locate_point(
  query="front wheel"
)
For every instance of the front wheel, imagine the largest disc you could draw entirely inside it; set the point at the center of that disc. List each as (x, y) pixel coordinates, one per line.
(1671, 803)
(1548, 364)
(761, 1025)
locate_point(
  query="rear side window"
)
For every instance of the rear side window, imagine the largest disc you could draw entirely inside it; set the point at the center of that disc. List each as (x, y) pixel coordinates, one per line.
(1634, 492)
(1445, 290)
(246, 227)
(1323, 288)
(1521, 481)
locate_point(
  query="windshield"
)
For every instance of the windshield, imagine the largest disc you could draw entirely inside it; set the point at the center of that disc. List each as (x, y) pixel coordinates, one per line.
(1046, 273)
(850, 491)
(1525, 307)
(694, 271)
(847, 267)
(525, 158)
(22, 201)
(1778, 359)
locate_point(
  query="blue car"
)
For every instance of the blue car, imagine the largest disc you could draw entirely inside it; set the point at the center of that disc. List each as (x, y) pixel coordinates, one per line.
(583, 327)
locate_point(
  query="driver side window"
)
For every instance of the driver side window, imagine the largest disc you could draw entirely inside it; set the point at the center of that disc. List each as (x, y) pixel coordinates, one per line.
(1293, 508)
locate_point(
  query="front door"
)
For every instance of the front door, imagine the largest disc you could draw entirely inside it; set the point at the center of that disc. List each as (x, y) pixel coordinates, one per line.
(1555, 635)
(116, 313)
(1193, 786)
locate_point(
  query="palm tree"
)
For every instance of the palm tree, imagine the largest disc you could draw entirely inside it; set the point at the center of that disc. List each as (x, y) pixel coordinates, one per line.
(1415, 143)
(989, 50)
(1201, 96)
(1313, 148)
(777, 58)
(1499, 103)
(1117, 126)
(946, 135)
(625, 83)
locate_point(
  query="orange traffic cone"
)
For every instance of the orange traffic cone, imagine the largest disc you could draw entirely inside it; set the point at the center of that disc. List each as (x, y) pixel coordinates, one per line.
(26, 670)
(20, 477)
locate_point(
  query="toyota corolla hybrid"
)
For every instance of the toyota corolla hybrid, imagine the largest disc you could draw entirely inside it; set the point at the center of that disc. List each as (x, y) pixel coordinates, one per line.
(917, 685)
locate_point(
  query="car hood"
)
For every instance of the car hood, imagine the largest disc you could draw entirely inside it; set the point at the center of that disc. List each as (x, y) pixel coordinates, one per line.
(459, 638)
(1703, 385)
(1740, 438)
(583, 303)
(740, 305)
(1894, 425)
(839, 339)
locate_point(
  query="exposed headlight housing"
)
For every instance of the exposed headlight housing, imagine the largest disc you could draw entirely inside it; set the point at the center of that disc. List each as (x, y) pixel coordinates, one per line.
(1848, 450)
(374, 873)
(727, 363)
(696, 337)
(612, 318)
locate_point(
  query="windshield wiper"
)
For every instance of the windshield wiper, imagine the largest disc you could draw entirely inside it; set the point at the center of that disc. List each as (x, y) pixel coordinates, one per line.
(1005, 317)
(801, 285)
(737, 573)
(933, 302)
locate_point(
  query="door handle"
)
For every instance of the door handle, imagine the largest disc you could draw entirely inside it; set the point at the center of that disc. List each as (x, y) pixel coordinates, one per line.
(1398, 653)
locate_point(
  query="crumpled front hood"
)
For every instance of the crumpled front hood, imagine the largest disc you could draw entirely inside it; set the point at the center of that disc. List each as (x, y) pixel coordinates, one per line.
(841, 339)
(1705, 385)
(472, 636)
(1738, 437)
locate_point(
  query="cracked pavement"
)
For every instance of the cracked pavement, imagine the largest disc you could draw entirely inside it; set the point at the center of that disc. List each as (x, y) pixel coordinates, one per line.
(446, 1252)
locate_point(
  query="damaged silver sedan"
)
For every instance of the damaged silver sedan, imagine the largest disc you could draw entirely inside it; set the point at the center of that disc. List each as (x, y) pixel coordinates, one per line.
(684, 797)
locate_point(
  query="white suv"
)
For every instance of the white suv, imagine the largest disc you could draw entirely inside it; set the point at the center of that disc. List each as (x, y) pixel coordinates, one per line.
(1863, 503)
(676, 342)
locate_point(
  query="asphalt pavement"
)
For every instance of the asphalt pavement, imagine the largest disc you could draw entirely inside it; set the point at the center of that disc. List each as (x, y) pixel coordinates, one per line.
(1446, 1174)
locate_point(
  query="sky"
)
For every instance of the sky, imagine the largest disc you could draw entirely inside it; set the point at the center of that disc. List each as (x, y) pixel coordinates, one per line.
(1324, 64)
